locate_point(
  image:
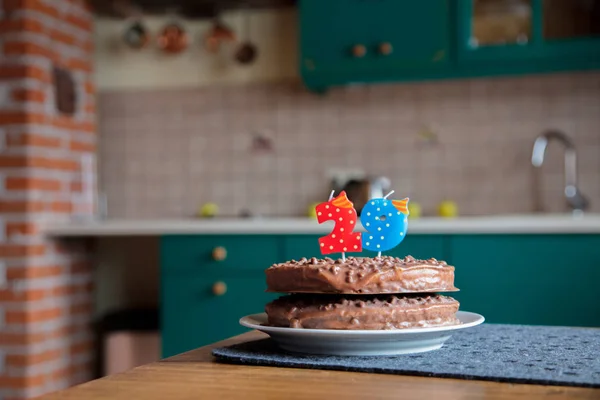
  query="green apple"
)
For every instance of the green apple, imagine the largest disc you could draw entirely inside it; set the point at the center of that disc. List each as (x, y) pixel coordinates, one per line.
(312, 212)
(448, 209)
(208, 210)
(414, 210)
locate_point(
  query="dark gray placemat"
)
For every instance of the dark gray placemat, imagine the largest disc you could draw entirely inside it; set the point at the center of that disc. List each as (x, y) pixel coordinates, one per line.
(503, 353)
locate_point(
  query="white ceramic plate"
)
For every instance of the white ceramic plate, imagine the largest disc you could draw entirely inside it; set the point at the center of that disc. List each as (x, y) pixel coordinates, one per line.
(360, 342)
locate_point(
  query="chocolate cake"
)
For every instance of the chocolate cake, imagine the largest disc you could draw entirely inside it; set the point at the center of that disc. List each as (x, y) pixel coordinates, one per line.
(362, 312)
(361, 275)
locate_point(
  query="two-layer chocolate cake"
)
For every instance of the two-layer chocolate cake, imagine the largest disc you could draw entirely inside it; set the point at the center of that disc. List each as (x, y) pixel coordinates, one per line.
(362, 293)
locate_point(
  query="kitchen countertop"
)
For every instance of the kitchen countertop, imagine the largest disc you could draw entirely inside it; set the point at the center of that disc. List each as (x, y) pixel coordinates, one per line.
(195, 375)
(551, 223)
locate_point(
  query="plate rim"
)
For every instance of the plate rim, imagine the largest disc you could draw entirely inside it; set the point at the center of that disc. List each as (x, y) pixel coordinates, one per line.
(244, 321)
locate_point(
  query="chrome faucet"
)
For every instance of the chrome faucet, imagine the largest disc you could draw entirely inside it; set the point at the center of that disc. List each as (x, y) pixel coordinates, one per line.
(576, 201)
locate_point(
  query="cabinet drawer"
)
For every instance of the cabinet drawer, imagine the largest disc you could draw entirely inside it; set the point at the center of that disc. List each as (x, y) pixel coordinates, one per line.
(218, 253)
(197, 310)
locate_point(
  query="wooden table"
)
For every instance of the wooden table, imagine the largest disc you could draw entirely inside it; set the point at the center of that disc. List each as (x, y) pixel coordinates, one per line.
(194, 375)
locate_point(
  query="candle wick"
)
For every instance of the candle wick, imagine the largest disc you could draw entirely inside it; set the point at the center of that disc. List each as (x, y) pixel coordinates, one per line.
(331, 195)
(386, 196)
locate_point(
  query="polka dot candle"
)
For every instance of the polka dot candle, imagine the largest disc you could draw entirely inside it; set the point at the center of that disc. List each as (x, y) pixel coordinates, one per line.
(343, 238)
(385, 222)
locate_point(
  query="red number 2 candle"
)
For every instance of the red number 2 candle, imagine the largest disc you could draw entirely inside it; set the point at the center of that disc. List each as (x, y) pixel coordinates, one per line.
(342, 238)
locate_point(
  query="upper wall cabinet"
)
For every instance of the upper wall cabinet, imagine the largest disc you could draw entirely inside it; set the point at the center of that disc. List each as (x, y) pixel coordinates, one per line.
(363, 41)
(496, 29)
(571, 27)
(505, 30)
(359, 41)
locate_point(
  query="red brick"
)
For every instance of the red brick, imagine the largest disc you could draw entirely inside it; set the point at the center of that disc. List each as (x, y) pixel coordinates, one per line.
(90, 88)
(9, 25)
(21, 228)
(88, 127)
(21, 206)
(34, 140)
(82, 146)
(22, 71)
(71, 124)
(18, 339)
(18, 48)
(8, 295)
(21, 382)
(83, 65)
(20, 296)
(34, 96)
(39, 6)
(39, 162)
(32, 316)
(61, 206)
(54, 163)
(33, 272)
(32, 184)
(61, 373)
(36, 5)
(21, 25)
(90, 108)
(13, 161)
(14, 5)
(64, 122)
(62, 37)
(76, 186)
(19, 250)
(82, 23)
(88, 46)
(21, 117)
(26, 360)
(82, 347)
(27, 338)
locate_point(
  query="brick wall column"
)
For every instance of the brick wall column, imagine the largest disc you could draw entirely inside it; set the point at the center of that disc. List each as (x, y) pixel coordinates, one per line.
(45, 287)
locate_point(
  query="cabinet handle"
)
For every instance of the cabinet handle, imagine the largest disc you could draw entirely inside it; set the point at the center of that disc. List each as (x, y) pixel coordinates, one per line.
(219, 253)
(359, 50)
(219, 288)
(386, 48)
(439, 56)
(310, 64)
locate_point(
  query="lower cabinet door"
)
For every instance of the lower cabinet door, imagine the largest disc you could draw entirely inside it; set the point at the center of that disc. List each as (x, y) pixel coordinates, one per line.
(198, 309)
(529, 279)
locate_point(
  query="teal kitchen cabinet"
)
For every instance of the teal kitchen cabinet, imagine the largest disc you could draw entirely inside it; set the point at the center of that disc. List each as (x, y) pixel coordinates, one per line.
(521, 279)
(419, 246)
(525, 36)
(529, 279)
(369, 41)
(194, 315)
(208, 282)
(357, 41)
(570, 28)
(498, 30)
(219, 253)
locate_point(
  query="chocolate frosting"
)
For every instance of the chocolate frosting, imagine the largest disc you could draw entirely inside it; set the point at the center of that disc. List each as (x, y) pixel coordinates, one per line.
(362, 312)
(361, 275)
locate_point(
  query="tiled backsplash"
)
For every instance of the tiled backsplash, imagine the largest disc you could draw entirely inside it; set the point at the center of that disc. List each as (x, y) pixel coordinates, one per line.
(163, 153)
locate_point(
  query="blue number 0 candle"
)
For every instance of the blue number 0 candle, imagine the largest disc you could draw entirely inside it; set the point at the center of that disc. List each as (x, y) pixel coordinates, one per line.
(385, 222)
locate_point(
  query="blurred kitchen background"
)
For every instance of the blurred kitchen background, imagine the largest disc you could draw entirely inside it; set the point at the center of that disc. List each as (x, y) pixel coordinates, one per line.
(181, 130)
(157, 155)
